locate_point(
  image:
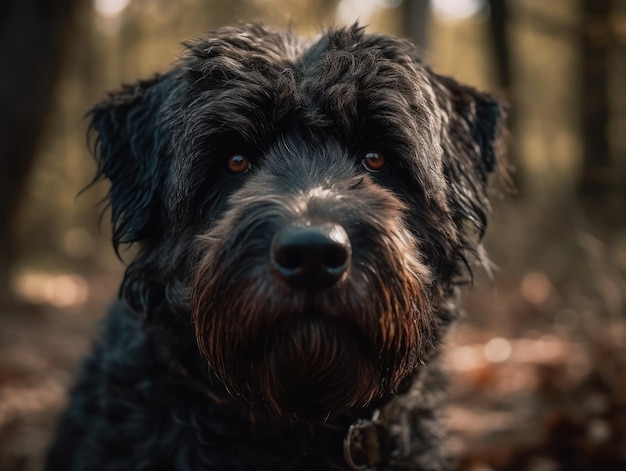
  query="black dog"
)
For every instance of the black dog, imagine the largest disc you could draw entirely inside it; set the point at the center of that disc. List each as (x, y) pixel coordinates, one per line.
(305, 212)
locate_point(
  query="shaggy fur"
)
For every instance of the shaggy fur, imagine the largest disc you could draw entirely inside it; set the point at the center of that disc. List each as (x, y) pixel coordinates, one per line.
(222, 353)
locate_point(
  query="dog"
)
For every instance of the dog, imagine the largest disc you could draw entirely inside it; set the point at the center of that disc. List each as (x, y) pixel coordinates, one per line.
(306, 214)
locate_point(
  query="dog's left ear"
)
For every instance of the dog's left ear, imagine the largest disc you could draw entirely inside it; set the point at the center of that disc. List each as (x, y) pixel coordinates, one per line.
(131, 151)
(473, 147)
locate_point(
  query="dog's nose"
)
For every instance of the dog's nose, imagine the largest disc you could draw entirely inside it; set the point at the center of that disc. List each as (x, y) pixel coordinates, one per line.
(311, 257)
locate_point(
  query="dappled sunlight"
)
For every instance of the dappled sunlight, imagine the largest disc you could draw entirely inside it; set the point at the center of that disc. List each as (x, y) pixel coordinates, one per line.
(349, 11)
(498, 350)
(110, 8)
(58, 290)
(535, 288)
(457, 10)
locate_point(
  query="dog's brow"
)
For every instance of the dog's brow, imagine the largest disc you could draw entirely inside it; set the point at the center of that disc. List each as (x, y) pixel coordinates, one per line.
(321, 192)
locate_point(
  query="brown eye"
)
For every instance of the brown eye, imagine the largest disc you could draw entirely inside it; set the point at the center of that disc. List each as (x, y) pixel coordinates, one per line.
(374, 161)
(238, 163)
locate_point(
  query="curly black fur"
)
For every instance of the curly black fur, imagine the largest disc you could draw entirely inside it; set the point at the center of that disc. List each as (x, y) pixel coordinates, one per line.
(211, 360)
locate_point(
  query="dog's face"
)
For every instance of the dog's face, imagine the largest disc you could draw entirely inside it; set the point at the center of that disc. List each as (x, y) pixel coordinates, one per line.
(309, 204)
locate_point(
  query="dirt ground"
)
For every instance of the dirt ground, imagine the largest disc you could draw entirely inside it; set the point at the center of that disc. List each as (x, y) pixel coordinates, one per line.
(538, 378)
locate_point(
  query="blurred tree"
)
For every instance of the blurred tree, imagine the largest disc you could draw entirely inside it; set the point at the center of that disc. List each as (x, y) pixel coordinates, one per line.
(501, 47)
(34, 35)
(596, 182)
(416, 18)
(498, 23)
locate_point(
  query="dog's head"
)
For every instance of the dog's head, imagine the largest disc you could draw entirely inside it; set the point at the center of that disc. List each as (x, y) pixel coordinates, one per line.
(310, 204)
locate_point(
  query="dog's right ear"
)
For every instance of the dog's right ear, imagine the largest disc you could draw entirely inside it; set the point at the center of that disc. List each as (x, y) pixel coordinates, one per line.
(473, 148)
(131, 151)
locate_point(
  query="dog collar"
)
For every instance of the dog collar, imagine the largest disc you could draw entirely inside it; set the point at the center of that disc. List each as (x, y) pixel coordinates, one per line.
(362, 444)
(368, 443)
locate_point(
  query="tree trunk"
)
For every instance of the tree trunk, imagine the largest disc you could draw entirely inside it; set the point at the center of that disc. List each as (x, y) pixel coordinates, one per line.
(415, 21)
(595, 184)
(33, 37)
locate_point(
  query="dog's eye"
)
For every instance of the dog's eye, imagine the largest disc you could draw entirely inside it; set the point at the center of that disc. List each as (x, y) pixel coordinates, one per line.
(374, 161)
(238, 163)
